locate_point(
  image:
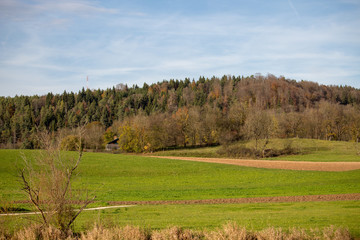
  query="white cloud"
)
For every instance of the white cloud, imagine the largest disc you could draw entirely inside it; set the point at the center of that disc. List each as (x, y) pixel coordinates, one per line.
(71, 6)
(25, 10)
(133, 48)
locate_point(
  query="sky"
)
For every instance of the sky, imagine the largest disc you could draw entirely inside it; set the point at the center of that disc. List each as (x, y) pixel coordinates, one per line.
(55, 45)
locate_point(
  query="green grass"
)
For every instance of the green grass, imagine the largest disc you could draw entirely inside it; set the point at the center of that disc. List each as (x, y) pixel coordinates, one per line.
(257, 216)
(322, 151)
(115, 177)
(252, 216)
(309, 150)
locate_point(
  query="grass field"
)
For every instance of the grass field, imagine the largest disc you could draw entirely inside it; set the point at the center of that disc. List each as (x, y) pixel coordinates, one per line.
(308, 149)
(252, 216)
(306, 215)
(117, 177)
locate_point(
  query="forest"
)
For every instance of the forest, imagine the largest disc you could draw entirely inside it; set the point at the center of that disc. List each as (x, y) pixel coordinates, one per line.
(184, 113)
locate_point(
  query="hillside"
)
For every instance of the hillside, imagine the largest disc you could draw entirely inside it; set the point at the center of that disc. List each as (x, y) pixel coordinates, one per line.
(186, 113)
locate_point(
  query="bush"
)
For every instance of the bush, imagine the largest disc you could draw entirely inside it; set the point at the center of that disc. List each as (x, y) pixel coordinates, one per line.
(235, 151)
(239, 151)
(70, 143)
(26, 144)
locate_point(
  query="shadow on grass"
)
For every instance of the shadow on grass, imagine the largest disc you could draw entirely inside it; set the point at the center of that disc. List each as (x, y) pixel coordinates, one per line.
(13, 210)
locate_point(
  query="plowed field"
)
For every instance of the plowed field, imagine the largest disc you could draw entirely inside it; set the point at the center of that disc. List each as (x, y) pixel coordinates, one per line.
(289, 165)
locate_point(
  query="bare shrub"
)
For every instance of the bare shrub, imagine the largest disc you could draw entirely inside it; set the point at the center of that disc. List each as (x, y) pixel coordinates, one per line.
(238, 152)
(47, 179)
(94, 135)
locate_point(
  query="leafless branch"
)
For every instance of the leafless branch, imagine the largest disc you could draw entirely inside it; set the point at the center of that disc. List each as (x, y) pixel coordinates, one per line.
(70, 173)
(47, 180)
(80, 210)
(34, 196)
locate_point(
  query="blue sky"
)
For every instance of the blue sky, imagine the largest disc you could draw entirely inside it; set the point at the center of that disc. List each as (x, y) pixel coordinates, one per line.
(48, 45)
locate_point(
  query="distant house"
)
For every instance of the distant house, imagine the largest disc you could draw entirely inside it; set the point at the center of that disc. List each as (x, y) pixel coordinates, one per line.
(113, 145)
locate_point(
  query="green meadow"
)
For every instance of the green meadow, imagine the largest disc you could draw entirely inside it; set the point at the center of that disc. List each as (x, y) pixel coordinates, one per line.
(118, 177)
(256, 216)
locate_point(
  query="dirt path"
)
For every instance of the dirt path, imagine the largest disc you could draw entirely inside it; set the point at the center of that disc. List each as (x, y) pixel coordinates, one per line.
(309, 198)
(278, 199)
(87, 209)
(290, 165)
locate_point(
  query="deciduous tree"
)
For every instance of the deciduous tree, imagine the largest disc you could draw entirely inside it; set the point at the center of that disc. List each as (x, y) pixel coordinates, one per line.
(47, 181)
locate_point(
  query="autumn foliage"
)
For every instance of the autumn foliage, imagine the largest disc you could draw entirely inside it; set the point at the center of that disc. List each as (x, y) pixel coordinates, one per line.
(183, 113)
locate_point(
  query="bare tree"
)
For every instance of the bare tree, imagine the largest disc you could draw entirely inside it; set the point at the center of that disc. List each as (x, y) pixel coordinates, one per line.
(93, 135)
(354, 127)
(47, 181)
(258, 126)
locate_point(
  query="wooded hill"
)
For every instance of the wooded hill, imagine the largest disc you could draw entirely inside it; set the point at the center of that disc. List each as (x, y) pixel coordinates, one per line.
(186, 112)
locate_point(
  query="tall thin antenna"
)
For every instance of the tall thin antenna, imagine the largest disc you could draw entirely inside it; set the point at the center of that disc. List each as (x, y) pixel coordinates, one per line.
(87, 82)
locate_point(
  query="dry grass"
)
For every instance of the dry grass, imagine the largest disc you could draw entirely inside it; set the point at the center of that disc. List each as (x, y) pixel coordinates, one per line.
(124, 233)
(36, 232)
(229, 231)
(175, 233)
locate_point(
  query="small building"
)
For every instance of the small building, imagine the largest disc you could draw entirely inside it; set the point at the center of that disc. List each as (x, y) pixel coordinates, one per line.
(113, 145)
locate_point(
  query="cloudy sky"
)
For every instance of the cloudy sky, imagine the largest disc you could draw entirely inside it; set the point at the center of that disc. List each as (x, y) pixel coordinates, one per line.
(48, 45)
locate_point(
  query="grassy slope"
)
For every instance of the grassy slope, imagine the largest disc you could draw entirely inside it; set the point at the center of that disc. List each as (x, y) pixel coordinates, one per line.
(310, 150)
(323, 151)
(130, 177)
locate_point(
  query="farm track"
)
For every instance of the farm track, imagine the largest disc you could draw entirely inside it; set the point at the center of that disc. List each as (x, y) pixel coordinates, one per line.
(278, 199)
(86, 209)
(288, 165)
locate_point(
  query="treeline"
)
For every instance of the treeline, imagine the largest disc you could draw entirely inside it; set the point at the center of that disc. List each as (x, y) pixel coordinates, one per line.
(186, 113)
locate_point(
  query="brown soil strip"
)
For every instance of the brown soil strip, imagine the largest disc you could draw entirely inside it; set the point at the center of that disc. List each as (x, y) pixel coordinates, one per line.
(277, 199)
(309, 198)
(289, 165)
